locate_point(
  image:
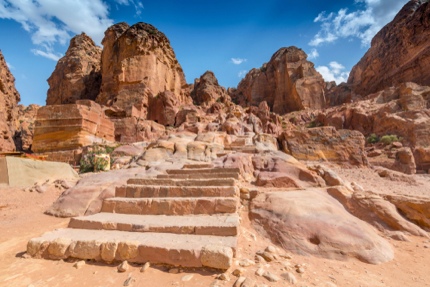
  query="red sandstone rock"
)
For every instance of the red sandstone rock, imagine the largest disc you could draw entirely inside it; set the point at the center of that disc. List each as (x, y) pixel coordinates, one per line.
(9, 98)
(69, 127)
(288, 82)
(163, 107)
(77, 75)
(24, 127)
(399, 53)
(207, 90)
(137, 62)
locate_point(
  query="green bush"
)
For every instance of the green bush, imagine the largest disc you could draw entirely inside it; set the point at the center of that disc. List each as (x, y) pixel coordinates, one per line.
(389, 139)
(89, 162)
(373, 138)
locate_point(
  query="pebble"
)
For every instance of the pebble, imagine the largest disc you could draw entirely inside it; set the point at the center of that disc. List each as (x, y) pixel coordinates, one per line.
(123, 266)
(271, 277)
(271, 249)
(130, 280)
(289, 277)
(79, 264)
(246, 263)
(174, 271)
(300, 270)
(269, 257)
(260, 271)
(238, 272)
(145, 267)
(187, 277)
(223, 277)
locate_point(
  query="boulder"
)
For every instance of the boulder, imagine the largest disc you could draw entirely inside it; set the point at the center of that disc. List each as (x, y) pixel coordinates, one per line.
(311, 222)
(9, 98)
(77, 75)
(163, 107)
(288, 82)
(400, 52)
(325, 143)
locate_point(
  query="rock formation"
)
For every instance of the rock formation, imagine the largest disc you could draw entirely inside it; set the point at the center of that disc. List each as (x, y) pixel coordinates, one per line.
(9, 98)
(399, 53)
(207, 90)
(288, 82)
(24, 127)
(77, 75)
(138, 62)
(71, 127)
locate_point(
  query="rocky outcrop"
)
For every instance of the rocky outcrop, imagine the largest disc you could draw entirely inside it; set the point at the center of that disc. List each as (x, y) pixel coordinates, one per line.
(70, 127)
(163, 107)
(399, 53)
(24, 127)
(288, 82)
(9, 98)
(325, 143)
(138, 62)
(289, 219)
(77, 75)
(207, 90)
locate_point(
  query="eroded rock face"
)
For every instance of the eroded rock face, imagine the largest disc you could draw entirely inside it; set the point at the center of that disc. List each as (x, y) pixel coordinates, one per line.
(69, 127)
(288, 82)
(77, 75)
(24, 127)
(400, 52)
(289, 219)
(207, 90)
(138, 62)
(326, 143)
(9, 98)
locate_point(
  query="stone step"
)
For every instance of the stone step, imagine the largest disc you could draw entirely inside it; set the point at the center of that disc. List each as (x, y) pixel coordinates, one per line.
(182, 182)
(198, 175)
(170, 205)
(217, 170)
(112, 245)
(219, 224)
(244, 149)
(140, 191)
(197, 165)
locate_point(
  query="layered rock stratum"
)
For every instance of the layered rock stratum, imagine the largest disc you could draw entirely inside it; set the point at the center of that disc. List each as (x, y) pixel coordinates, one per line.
(288, 82)
(9, 98)
(399, 53)
(77, 75)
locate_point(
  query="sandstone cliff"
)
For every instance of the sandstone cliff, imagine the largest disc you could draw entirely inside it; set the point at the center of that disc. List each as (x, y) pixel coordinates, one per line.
(77, 75)
(288, 82)
(138, 62)
(399, 53)
(9, 98)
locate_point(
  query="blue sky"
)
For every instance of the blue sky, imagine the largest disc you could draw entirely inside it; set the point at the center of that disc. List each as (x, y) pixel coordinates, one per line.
(226, 37)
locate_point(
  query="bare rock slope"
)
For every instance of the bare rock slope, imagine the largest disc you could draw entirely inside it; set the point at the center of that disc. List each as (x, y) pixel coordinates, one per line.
(399, 53)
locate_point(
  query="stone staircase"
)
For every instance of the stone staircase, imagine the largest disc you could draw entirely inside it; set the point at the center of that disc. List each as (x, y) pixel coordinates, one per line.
(243, 144)
(186, 218)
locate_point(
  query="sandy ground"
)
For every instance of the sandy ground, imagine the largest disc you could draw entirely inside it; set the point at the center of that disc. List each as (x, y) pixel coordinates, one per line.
(21, 218)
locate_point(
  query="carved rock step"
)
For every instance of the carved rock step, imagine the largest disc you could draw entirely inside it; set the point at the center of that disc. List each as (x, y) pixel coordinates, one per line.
(141, 191)
(203, 171)
(171, 205)
(220, 225)
(111, 245)
(197, 165)
(198, 175)
(182, 182)
(243, 149)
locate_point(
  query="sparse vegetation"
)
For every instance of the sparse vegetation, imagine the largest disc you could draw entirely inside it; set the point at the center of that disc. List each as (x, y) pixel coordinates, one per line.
(373, 138)
(389, 139)
(89, 162)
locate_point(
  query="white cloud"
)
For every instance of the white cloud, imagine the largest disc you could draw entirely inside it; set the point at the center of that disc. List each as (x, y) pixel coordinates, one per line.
(363, 23)
(313, 54)
(52, 22)
(334, 72)
(242, 73)
(10, 66)
(138, 6)
(238, 61)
